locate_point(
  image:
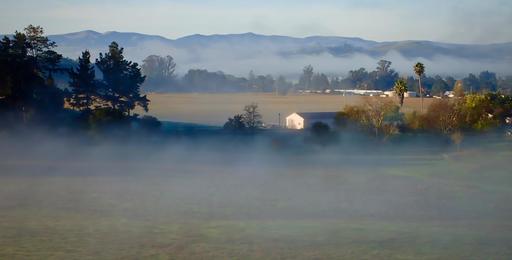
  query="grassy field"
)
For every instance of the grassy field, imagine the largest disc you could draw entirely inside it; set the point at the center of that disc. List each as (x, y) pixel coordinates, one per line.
(213, 202)
(215, 109)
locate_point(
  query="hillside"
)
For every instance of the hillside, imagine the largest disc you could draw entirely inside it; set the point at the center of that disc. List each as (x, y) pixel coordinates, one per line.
(239, 53)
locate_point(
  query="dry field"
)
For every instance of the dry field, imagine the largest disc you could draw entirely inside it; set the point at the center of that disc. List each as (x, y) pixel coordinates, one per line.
(215, 109)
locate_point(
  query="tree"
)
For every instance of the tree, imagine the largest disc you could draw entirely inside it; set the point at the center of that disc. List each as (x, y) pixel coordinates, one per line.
(440, 86)
(400, 90)
(282, 86)
(419, 70)
(236, 124)
(307, 77)
(252, 117)
(450, 81)
(40, 48)
(321, 133)
(377, 116)
(488, 81)
(158, 70)
(358, 79)
(320, 81)
(458, 89)
(27, 86)
(383, 77)
(443, 116)
(122, 80)
(471, 83)
(320, 129)
(83, 83)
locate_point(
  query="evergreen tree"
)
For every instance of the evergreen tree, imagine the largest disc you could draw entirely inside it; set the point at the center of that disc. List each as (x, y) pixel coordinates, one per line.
(27, 61)
(83, 84)
(122, 79)
(306, 77)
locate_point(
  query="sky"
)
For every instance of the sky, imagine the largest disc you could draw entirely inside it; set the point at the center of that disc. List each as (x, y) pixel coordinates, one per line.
(456, 21)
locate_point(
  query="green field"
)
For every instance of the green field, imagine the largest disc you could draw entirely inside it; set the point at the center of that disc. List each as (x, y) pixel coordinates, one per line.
(212, 202)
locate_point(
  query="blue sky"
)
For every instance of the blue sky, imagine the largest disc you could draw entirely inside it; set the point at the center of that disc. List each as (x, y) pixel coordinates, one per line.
(462, 21)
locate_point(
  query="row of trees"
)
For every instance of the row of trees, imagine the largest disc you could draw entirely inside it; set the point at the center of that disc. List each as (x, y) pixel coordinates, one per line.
(474, 112)
(119, 88)
(161, 76)
(28, 63)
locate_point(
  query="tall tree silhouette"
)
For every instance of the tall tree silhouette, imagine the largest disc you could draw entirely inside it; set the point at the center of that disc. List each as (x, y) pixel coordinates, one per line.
(26, 82)
(419, 69)
(40, 49)
(306, 77)
(83, 84)
(122, 80)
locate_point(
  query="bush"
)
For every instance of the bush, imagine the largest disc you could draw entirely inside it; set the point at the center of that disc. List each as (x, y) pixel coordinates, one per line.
(320, 129)
(377, 116)
(107, 117)
(321, 134)
(443, 116)
(149, 123)
(236, 124)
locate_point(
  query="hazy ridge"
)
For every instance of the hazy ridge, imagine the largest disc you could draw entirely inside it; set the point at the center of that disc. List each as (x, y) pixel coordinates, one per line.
(274, 54)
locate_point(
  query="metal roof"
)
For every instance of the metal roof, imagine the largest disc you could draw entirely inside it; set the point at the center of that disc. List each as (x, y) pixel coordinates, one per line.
(317, 115)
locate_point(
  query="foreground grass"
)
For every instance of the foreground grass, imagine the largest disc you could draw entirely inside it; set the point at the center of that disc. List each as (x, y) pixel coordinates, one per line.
(65, 237)
(401, 206)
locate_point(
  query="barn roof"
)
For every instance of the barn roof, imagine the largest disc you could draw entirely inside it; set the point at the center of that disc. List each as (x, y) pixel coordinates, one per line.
(317, 115)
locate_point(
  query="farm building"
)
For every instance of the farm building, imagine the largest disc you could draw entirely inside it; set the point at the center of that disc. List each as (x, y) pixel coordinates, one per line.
(306, 120)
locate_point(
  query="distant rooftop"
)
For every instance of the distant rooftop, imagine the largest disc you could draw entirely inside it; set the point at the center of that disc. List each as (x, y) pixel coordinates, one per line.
(317, 115)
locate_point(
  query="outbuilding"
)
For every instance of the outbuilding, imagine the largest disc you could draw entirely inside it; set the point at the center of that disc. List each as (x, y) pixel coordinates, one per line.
(306, 120)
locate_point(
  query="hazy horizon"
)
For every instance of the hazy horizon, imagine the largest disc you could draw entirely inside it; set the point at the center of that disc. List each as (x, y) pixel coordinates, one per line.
(445, 21)
(259, 34)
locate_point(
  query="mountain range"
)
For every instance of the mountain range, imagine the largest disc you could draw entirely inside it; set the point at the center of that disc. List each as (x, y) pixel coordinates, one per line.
(240, 53)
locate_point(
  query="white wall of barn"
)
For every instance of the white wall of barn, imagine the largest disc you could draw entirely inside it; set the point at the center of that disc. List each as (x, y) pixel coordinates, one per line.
(294, 121)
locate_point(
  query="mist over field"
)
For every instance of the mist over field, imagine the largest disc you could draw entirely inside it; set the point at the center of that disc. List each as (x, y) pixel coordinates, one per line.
(256, 129)
(255, 197)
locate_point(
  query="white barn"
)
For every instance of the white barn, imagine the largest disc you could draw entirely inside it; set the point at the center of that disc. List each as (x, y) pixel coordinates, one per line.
(306, 120)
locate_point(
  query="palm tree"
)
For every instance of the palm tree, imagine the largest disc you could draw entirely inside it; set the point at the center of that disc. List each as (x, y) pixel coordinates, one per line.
(419, 69)
(400, 90)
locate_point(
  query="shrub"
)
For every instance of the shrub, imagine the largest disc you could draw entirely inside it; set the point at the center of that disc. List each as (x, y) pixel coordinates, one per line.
(107, 117)
(235, 124)
(149, 123)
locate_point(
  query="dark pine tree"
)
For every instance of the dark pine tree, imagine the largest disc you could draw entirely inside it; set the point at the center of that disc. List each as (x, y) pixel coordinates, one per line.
(122, 80)
(83, 84)
(24, 89)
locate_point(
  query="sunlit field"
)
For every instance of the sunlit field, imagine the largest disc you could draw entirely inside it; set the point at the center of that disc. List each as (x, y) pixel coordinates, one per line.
(215, 109)
(216, 201)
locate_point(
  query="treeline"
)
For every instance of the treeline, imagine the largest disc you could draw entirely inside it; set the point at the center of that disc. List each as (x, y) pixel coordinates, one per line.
(450, 117)
(383, 78)
(161, 77)
(29, 94)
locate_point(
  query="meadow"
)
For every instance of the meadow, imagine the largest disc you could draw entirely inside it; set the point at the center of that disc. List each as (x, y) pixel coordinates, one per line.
(216, 200)
(215, 109)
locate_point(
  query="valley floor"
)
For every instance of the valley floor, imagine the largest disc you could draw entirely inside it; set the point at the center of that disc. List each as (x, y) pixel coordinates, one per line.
(200, 202)
(215, 109)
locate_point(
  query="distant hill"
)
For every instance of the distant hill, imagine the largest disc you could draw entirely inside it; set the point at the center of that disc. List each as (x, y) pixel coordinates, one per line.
(239, 53)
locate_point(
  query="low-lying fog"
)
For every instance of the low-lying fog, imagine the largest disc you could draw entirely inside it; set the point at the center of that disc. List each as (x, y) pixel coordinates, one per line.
(254, 198)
